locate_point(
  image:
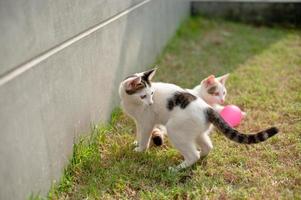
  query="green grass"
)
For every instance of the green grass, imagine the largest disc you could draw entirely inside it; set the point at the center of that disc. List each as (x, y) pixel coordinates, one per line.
(265, 81)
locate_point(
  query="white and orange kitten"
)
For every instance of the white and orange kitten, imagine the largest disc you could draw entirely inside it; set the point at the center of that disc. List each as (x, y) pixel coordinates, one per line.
(212, 90)
(186, 117)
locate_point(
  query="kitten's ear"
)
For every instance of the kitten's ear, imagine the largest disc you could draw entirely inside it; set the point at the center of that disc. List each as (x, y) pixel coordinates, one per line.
(209, 80)
(223, 79)
(132, 82)
(149, 74)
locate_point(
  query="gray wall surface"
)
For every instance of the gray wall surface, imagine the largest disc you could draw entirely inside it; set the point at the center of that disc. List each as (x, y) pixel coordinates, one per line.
(60, 66)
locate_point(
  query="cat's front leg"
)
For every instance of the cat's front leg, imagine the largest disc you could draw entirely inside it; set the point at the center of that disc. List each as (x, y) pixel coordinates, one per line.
(136, 142)
(144, 134)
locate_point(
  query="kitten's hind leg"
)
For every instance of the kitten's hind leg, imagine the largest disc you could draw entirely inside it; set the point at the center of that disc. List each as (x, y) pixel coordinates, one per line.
(205, 143)
(190, 153)
(185, 143)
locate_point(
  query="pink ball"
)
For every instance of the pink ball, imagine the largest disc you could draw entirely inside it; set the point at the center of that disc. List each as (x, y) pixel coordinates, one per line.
(232, 115)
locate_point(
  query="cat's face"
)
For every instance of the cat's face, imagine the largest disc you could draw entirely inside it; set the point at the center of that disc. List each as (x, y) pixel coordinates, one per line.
(214, 90)
(138, 87)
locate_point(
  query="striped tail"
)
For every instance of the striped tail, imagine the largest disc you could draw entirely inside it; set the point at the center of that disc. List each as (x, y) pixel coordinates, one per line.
(233, 134)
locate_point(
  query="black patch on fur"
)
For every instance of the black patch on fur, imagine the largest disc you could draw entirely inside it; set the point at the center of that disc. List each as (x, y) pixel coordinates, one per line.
(240, 138)
(260, 136)
(228, 130)
(272, 131)
(145, 83)
(251, 139)
(232, 135)
(181, 99)
(170, 104)
(157, 140)
(145, 77)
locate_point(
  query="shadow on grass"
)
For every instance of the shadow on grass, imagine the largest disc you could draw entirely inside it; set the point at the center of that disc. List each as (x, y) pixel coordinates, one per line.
(202, 47)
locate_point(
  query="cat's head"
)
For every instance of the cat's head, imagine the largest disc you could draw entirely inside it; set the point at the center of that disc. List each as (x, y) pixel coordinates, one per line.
(213, 89)
(137, 88)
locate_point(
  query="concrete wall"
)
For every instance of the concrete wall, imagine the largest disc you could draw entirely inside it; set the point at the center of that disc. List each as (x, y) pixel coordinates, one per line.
(60, 66)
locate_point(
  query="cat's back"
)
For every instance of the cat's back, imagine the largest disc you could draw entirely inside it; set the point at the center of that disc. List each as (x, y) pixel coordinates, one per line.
(166, 91)
(163, 91)
(173, 101)
(166, 88)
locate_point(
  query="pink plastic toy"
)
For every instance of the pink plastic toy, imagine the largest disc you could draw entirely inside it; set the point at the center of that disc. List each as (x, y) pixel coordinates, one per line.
(232, 115)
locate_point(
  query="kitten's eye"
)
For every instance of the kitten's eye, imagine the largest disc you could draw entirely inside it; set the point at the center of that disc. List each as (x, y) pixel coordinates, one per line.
(152, 93)
(224, 93)
(143, 96)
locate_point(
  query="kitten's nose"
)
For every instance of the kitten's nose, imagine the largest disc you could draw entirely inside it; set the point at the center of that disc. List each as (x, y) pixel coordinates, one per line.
(222, 101)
